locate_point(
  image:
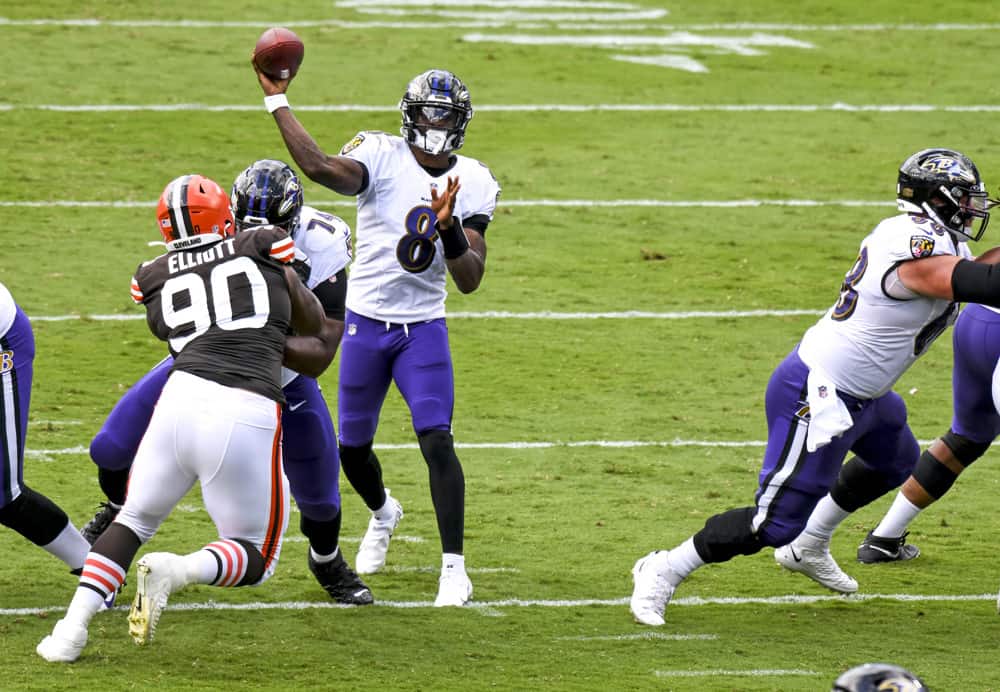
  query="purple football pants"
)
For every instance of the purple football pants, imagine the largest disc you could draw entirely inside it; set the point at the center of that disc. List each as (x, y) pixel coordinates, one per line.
(976, 342)
(793, 480)
(309, 442)
(16, 371)
(415, 356)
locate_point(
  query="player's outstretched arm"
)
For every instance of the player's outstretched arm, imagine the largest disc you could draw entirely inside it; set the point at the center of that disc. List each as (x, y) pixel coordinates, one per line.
(339, 173)
(307, 313)
(951, 278)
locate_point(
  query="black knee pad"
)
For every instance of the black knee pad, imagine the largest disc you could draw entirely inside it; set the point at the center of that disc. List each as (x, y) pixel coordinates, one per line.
(933, 476)
(859, 484)
(727, 535)
(964, 449)
(34, 516)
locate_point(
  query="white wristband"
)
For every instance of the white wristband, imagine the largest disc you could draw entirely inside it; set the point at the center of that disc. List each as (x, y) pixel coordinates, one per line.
(273, 103)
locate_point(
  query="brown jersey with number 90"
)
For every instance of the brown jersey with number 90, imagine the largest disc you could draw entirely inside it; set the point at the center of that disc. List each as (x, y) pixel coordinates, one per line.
(224, 308)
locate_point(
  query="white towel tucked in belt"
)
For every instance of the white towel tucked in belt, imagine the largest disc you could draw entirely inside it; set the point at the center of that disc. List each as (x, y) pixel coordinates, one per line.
(828, 415)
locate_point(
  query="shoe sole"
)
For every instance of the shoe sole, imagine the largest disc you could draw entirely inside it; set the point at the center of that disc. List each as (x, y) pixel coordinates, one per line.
(145, 612)
(876, 555)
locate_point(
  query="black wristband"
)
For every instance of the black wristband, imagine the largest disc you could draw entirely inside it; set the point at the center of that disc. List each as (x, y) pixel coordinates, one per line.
(453, 238)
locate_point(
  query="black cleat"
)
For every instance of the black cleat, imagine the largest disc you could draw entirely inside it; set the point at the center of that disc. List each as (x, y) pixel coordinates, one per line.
(877, 549)
(339, 580)
(96, 526)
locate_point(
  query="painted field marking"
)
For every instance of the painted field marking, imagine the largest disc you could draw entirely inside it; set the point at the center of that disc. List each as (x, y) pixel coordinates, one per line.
(639, 636)
(503, 314)
(397, 538)
(586, 203)
(42, 454)
(758, 673)
(486, 23)
(543, 603)
(530, 108)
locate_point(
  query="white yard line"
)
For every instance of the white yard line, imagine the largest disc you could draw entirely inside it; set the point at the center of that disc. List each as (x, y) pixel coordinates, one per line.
(613, 444)
(586, 203)
(718, 673)
(532, 107)
(504, 315)
(485, 23)
(549, 603)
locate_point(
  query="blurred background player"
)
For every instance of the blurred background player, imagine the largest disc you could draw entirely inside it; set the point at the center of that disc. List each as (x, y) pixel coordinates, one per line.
(269, 192)
(396, 329)
(22, 509)
(975, 424)
(218, 419)
(833, 393)
(876, 677)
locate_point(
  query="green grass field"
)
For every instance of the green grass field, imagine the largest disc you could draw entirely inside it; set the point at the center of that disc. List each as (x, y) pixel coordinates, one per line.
(741, 178)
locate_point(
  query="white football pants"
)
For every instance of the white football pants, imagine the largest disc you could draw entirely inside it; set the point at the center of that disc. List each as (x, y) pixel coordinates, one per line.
(229, 439)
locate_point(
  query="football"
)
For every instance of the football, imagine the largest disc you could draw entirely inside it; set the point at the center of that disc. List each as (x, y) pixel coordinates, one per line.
(279, 53)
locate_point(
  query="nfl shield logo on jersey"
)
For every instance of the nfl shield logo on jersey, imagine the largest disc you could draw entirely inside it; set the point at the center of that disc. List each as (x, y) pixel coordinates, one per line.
(921, 246)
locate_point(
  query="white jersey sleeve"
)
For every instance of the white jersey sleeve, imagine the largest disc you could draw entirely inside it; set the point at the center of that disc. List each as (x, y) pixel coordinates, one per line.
(8, 310)
(399, 273)
(325, 240)
(869, 338)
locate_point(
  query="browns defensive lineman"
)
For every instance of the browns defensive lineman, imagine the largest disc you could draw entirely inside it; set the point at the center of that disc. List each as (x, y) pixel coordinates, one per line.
(268, 192)
(224, 304)
(833, 393)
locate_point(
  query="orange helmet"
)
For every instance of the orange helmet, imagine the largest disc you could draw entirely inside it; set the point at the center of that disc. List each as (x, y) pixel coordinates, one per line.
(193, 211)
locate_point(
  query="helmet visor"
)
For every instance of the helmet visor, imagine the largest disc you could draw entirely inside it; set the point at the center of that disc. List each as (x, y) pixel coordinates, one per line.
(445, 117)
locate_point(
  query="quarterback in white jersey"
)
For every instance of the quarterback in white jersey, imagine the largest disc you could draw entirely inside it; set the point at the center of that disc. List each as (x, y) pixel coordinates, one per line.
(399, 275)
(832, 394)
(413, 230)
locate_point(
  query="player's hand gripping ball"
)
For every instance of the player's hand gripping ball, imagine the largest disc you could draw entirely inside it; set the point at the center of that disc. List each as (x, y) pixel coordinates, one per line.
(279, 53)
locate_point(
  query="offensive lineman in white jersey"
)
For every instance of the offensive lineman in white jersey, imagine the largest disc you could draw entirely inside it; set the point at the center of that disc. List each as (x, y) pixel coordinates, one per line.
(832, 394)
(413, 229)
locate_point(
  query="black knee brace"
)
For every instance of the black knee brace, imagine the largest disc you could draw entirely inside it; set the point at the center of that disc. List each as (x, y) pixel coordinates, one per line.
(964, 449)
(933, 476)
(858, 485)
(34, 516)
(727, 535)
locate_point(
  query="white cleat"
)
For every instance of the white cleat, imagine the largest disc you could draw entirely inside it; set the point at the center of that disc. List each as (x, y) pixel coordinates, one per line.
(652, 590)
(454, 587)
(811, 556)
(375, 544)
(64, 644)
(157, 575)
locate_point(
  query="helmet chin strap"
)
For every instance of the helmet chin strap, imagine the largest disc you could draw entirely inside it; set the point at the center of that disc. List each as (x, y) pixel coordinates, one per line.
(435, 141)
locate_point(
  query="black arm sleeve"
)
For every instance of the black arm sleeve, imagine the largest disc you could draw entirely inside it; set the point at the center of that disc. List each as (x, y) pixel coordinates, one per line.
(974, 282)
(477, 222)
(332, 295)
